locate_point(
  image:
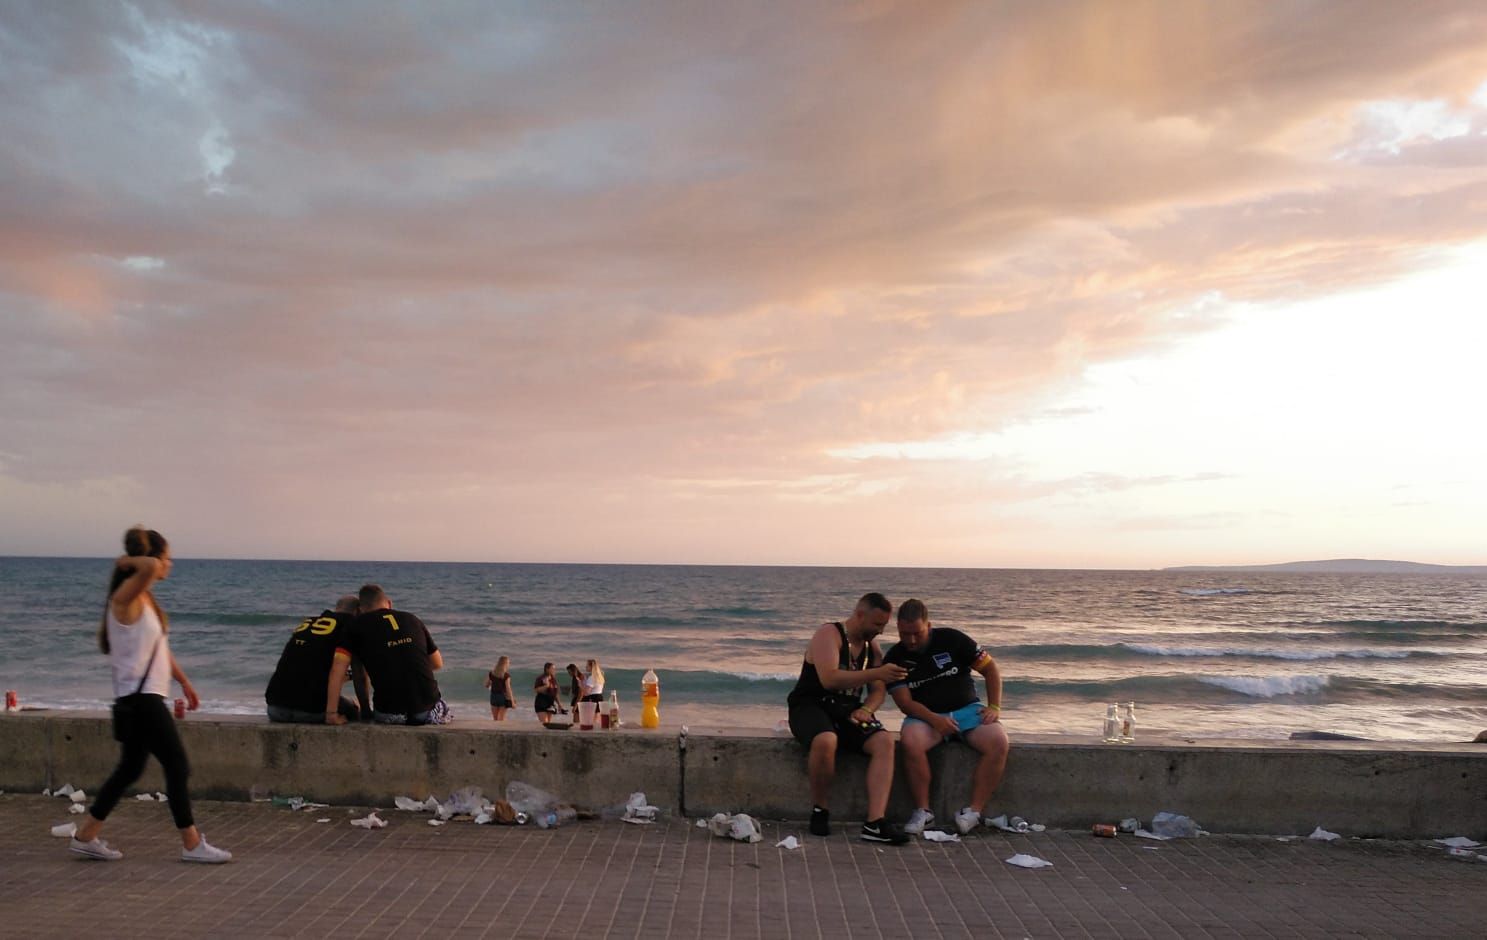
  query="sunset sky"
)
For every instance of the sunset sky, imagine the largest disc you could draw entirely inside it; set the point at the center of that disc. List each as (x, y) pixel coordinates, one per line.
(1030, 284)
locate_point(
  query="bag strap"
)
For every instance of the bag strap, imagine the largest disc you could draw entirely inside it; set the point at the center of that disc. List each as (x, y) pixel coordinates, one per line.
(149, 665)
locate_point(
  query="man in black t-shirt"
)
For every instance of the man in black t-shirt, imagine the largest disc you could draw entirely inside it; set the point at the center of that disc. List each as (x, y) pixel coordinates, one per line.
(400, 658)
(939, 702)
(296, 691)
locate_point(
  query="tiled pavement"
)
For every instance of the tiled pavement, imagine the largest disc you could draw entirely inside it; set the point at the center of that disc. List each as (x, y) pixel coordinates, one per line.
(295, 877)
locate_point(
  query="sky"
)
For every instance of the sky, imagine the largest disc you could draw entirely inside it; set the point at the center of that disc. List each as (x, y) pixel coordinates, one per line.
(1042, 284)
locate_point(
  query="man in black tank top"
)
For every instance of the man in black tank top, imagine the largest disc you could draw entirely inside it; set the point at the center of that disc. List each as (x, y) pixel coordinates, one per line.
(827, 710)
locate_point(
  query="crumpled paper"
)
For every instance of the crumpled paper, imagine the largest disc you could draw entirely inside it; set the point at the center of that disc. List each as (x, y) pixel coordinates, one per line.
(77, 809)
(144, 796)
(64, 790)
(638, 811)
(1028, 861)
(936, 835)
(436, 822)
(65, 830)
(79, 796)
(789, 842)
(740, 826)
(323, 820)
(1458, 842)
(1322, 835)
(370, 821)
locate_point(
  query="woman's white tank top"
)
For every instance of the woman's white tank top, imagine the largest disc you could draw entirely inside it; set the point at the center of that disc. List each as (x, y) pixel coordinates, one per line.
(130, 646)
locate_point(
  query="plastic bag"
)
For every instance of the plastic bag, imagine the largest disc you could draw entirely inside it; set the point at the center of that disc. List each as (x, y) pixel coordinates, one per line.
(1174, 826)
(525, 798)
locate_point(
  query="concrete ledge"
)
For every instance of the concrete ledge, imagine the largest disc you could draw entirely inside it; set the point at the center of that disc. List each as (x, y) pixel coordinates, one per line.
(1357, 788)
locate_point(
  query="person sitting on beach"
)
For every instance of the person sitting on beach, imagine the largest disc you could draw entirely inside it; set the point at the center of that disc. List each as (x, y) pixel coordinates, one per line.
(827, 711)
(498, 680)
(545, 702)
(296, 691)
(400, 658)
(939, 702)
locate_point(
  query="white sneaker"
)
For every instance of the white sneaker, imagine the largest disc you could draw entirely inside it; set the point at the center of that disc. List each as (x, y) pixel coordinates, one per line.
(94, 848)
(917, 822)
(206, 853)
(966, 820)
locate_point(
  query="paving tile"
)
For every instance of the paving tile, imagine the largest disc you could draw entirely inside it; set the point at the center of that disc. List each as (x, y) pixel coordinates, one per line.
(293, 877)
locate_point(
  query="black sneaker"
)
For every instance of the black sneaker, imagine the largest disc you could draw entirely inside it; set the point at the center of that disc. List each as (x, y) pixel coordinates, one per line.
(820, 821)
(883, 831)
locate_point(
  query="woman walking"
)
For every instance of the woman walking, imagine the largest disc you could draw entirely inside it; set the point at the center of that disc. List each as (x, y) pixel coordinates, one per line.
(133, 634)
(498, 680)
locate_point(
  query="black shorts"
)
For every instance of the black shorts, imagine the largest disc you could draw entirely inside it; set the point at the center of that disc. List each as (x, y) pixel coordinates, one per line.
(500, 701)
(545, 703)
(810, 717)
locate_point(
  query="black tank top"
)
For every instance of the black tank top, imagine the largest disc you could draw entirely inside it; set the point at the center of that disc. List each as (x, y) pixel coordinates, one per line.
(809, 684)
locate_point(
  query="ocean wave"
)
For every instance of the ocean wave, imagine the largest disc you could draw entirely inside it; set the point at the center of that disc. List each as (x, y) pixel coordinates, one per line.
(742, 612)
(1413, 627)
(1269, 686)
(1248, 652)
(238, 620)
(1212, 592)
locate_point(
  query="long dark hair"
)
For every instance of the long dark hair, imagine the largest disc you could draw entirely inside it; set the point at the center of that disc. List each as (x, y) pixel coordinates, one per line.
(137, 541)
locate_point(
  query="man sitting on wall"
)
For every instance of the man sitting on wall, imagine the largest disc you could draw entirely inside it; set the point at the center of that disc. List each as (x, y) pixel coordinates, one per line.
(296, 691)
(939, 702)
(400, 658)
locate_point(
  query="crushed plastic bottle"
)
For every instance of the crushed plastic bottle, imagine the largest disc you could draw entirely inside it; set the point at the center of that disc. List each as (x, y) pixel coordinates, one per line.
(554, 818)
(533, 801)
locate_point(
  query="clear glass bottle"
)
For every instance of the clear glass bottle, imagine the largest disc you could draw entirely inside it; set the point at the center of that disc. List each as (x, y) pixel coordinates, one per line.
(1112, 725)
(1128, 723)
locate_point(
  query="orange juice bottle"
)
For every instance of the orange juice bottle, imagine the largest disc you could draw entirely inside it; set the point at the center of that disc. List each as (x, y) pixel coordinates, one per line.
(650, 698)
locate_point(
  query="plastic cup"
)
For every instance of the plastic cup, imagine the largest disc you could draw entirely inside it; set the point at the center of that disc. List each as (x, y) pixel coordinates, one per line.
(586, 712)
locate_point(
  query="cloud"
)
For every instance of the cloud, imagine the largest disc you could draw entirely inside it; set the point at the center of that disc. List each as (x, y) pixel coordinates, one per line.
(409, 257)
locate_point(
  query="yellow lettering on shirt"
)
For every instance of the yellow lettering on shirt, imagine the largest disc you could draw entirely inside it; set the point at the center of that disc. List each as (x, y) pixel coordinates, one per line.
(391, 619)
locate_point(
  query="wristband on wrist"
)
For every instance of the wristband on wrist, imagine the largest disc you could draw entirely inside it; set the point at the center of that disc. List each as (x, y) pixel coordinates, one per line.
(994, 706)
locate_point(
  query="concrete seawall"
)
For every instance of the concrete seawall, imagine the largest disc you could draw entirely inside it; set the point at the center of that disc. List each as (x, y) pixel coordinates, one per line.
(1356, 788)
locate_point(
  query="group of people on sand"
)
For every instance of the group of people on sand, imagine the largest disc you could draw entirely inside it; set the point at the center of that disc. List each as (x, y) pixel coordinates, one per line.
(546, 694)
(845, 679)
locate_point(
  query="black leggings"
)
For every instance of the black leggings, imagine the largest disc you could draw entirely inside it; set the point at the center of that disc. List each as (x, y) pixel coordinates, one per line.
(152, 731)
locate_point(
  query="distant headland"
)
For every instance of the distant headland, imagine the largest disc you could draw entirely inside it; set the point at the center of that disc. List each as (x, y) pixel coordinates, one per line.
(1344, 566)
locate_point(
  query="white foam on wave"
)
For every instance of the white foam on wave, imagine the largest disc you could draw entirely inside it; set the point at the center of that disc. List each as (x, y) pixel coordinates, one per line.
(1210, 592)
(1304, 656)
(1268, 686)
(766, 676)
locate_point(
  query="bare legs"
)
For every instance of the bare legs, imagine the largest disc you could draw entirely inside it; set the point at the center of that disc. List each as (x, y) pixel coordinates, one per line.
(990, 741)
(917, 738)
(879, 749)
(821, 766)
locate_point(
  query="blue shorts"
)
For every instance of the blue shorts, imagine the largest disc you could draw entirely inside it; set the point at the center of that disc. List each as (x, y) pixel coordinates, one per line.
(967, 718)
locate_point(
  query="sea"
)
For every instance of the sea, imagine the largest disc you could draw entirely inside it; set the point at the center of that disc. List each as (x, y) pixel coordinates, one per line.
(1258, 655)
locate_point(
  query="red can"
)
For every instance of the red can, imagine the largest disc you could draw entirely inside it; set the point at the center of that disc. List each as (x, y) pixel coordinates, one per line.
(12, 704)
(1104, 830)
(180, 708)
